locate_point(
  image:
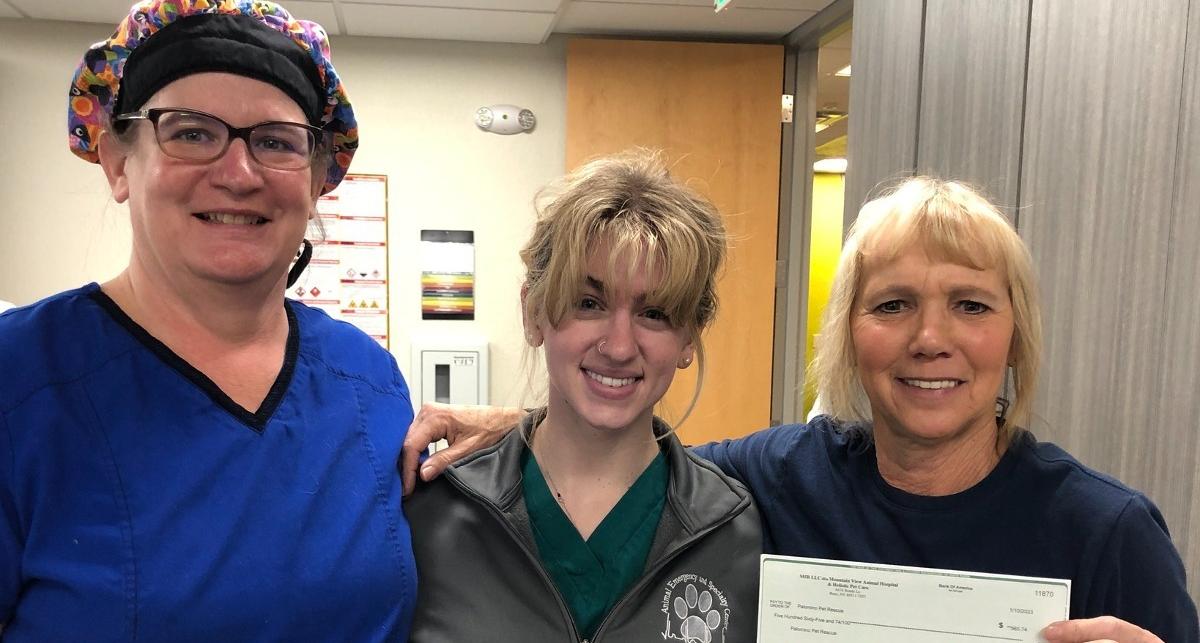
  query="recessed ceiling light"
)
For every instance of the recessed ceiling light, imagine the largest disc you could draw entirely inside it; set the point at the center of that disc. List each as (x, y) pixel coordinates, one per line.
(844, 72)
(830, 166)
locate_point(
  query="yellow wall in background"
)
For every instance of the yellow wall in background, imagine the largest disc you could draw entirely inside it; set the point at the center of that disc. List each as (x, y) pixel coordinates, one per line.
(825, 244)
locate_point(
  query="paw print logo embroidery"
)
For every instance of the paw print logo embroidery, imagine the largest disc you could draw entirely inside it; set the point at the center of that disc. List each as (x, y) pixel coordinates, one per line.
(697, 618)
(696, 610)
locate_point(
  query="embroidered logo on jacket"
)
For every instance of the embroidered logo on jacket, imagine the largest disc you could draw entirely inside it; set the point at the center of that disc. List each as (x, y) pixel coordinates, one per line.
(697, 611)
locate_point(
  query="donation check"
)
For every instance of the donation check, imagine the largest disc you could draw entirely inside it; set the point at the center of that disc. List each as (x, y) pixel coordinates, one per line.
(810, 599)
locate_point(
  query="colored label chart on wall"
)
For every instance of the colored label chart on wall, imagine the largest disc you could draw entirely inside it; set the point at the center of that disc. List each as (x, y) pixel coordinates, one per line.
(447, 274)
(348, 274)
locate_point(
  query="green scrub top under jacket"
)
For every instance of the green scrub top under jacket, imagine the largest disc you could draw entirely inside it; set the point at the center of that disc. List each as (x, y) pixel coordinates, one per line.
(592, 575)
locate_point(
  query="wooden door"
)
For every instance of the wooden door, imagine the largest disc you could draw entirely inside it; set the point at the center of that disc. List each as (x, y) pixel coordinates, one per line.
(714, 108)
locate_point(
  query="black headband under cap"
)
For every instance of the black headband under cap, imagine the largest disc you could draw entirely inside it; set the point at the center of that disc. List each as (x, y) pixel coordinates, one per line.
(221, 43)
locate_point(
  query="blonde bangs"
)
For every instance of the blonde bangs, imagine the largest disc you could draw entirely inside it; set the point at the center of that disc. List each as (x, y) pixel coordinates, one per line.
(947, 224)
(644, 222)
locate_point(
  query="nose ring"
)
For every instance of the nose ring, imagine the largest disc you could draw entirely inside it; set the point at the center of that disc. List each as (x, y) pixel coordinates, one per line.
(600, 346)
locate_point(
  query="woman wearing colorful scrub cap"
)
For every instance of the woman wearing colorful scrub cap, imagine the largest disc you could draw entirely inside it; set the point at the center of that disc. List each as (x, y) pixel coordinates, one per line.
(184, 454)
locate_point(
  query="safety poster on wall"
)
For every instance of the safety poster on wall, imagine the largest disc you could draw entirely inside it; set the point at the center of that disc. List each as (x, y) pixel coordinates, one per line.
(447, 274)
(348, 274)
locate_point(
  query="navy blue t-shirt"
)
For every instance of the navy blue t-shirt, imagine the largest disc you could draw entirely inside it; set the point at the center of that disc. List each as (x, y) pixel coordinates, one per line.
(138, 502)
(1040, 512)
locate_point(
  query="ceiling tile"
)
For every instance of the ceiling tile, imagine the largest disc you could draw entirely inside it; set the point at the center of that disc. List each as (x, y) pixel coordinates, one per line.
(627, 18)
(526, 21)
(319, 12)
(446, 24)
(545, 6)
(108, 12)
(785, 5)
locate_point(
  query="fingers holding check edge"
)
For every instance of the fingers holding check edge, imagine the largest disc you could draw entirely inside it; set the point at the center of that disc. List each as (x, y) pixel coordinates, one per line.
(1097, 630)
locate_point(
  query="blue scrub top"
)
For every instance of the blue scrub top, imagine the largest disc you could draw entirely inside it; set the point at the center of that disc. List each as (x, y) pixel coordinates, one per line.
(138, 502)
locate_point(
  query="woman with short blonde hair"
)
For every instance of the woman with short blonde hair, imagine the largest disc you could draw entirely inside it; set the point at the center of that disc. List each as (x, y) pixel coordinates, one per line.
(951, 222)
(927, 367)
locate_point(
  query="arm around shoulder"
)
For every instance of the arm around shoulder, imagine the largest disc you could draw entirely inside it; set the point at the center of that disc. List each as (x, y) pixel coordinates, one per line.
(466, 428)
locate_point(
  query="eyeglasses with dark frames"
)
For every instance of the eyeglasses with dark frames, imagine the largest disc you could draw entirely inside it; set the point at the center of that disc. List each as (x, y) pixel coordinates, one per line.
(192, 135)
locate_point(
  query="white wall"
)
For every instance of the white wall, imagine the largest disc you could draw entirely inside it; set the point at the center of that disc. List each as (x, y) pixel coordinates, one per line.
(415, 101)
(58, 226)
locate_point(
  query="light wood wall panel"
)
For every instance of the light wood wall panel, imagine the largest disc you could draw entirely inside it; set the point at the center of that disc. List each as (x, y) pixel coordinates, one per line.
(1102, 126)
(885, 89)
(972, 94)
(1177, 453)
(714, 109)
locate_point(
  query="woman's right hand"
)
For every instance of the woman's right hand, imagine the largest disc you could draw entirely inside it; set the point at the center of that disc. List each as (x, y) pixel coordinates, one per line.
(467, 429)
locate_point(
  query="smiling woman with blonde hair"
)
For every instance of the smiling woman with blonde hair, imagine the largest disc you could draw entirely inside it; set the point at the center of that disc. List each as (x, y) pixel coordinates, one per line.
(582, 524)
(923, 458)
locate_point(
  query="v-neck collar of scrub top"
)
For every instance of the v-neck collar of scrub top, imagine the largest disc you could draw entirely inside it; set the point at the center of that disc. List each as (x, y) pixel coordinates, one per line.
(592, 575)
(256, 420)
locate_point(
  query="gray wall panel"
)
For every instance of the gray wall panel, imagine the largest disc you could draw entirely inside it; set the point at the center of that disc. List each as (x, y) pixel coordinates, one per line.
(885, 56)
(973, 85)
(1101, 128)
(1177, 454)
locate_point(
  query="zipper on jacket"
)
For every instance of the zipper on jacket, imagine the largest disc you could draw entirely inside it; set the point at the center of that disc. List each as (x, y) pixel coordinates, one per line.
(658, 566)
(564, 611)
